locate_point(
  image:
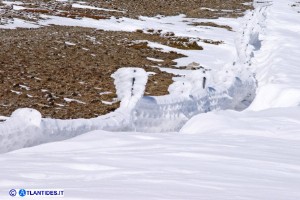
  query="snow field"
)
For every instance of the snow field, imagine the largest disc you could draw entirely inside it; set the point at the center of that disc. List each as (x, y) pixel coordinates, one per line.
(222, 154)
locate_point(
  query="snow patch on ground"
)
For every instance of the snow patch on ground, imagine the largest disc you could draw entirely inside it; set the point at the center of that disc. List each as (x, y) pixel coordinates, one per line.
(73, 100)
(19, 23)
(76, 5)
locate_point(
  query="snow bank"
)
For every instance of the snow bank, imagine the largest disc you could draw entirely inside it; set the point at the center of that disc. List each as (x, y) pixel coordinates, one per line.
(169, 113)
(277, 64)
(20, 130)
(136, 113)
(275, 123)
(26, 128)
(130, 85)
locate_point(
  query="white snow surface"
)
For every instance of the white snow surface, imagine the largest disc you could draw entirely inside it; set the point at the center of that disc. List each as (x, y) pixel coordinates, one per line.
(76, 5)
(223, 154)
(241, 156)
(130, 85)
(12, 2)
(277, 63)
(19, 23)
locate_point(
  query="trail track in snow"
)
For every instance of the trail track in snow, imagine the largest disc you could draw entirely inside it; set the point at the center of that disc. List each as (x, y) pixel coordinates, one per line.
(234, 90)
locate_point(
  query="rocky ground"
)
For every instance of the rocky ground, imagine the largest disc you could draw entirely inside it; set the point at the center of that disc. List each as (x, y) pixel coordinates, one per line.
(64, 72)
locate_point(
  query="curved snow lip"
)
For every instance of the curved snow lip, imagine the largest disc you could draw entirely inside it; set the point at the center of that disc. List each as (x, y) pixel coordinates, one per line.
(149, 114)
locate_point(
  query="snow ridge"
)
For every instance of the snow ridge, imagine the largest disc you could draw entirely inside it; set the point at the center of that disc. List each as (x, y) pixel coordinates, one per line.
(171, 112)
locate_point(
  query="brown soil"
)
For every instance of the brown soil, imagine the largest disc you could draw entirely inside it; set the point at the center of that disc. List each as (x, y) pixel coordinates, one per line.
(191, 8)
(46, 61)
(132, 8)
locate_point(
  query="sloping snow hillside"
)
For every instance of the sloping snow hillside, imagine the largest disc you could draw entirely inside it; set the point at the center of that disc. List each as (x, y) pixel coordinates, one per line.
(223, 154)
